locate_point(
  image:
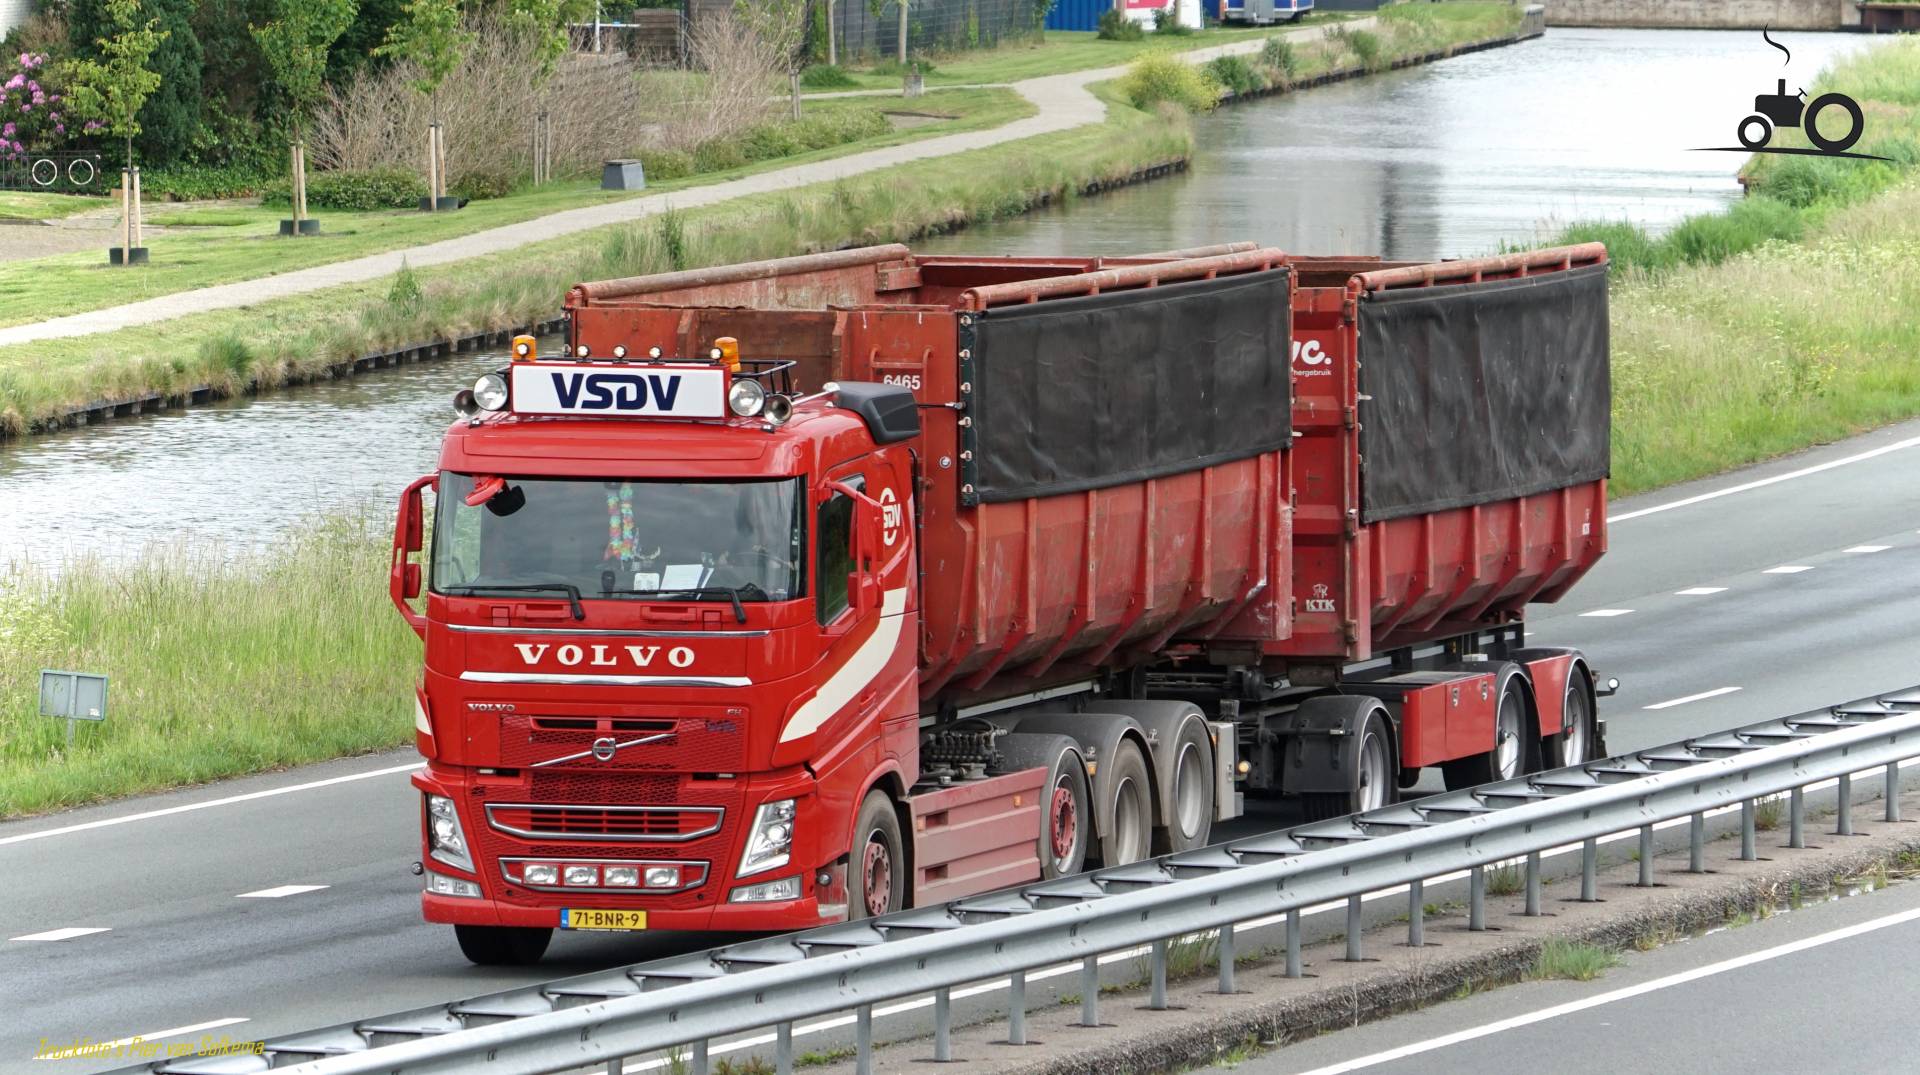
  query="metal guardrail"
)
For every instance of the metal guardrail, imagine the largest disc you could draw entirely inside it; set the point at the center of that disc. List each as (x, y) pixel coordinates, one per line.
(600, 1018)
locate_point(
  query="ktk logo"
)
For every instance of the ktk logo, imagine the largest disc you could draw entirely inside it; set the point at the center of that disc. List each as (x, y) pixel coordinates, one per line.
(1320, 601)
(1783, 109)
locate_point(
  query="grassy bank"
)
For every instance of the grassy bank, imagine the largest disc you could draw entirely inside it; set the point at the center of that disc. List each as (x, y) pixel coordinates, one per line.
(240, 242)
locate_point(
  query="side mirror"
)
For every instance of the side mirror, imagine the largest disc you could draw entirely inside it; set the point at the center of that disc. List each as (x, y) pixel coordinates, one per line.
(412, 582)
(409, 537)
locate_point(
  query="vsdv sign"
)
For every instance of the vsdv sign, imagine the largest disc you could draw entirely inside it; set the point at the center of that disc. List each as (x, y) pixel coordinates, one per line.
(624, 391)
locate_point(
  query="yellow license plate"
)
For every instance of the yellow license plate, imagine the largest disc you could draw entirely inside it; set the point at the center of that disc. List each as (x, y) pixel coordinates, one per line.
(588, 918)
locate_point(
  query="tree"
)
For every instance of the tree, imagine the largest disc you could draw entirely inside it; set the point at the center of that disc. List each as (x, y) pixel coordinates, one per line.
(113, 89)
(877, 6)
(430, 37)
(170, 116)
(781, 26)
(547, 20)
(296, 45)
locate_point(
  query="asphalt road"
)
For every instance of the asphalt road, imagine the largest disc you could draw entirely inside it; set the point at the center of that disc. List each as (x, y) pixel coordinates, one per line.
(1819, 988)
(186, 919)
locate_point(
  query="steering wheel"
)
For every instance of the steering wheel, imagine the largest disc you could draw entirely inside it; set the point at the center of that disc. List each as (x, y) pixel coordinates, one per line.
(763, 553)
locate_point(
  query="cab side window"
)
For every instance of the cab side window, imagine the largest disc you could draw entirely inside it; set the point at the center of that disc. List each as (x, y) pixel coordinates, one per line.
(833, 554)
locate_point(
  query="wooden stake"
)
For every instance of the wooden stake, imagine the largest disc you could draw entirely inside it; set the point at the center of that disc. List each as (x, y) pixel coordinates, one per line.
(138, 239)
(126, 216)
(433, 168)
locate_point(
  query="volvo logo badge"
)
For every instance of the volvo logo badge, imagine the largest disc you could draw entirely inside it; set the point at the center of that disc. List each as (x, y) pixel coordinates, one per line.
(604, 748)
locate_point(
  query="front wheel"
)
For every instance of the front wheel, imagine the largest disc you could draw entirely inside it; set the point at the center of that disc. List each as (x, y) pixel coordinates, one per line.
(1843, 103)
(878, 878)
(503, 946)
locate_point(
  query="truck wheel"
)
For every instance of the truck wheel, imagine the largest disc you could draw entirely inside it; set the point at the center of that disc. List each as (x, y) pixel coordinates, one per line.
(1191, 817)
(1508, 758)
(877, 881)
(1575, 743)
(1066, 818)
(1376, 782)
(502, 946)
(1127, 836)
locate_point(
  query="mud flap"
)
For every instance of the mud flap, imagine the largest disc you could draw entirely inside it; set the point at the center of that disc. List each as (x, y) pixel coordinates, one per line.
(1322, 743)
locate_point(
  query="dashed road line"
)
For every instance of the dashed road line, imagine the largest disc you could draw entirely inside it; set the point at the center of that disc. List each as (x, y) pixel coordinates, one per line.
(277, 893)
(1868, 548)
(65, 933)
(1788, 569)
(1607, 612)
(1699, 591)
(1671, 702)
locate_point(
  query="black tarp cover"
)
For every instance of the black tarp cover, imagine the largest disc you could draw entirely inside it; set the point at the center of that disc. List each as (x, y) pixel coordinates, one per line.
(1482, 392)
(1083, 393)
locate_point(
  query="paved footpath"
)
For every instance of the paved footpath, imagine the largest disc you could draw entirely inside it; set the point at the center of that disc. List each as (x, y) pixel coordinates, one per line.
(1063, 101)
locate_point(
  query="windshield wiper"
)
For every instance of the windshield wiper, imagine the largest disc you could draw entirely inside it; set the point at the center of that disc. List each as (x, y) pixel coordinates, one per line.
(730, 592)
(568, 588)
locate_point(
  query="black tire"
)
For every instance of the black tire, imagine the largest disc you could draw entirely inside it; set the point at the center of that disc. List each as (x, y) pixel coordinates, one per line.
(1766, 132)
(503, 946)
(1376, 781)
(1128, 837)
(1574, 745)
(1845, 104)
(1066, 818)
(1509, 754)
(1189, 820)
(878, 856)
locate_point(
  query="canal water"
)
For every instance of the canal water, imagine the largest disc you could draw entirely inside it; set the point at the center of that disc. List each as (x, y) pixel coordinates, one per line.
(1445, 160)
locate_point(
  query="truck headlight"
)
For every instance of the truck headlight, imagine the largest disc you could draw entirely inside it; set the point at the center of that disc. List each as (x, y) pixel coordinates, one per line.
(445, 841)
(770, 839)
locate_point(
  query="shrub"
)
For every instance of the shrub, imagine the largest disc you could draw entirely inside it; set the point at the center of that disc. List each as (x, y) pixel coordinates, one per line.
(1159, 76)
(1278, 54)
(1365, 48)
(475, 186)
(1115, 26)
(719, 155)
(1237, 74)
(357, 191)
(661, 165)
(1167, 21)
(896, 69)
(200, 182)
(825, 76)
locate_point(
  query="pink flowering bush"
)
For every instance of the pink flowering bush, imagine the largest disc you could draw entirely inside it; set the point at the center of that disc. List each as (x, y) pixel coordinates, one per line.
(31, 117)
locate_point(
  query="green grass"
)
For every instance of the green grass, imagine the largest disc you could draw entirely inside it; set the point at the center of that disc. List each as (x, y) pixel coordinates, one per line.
(1573, 960)
(28, 205)
(218, 666)
(246, 244)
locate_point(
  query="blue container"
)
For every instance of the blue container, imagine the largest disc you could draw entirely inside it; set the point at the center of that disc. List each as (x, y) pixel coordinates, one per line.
(1077, 14)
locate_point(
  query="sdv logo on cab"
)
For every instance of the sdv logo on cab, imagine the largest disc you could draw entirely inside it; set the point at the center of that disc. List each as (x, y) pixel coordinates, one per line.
(616, 391)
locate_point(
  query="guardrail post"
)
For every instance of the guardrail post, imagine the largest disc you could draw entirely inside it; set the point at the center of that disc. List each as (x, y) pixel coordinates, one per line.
(1158, 1000)
(1353, 929)
(1846, 805)
(942, 1028)
(1697, 844)
(700, 1057)
(1797, 818)
(1090, 991)
(1226, 958)
(1746, 830)
(1017, 1008)
(1533, 884)
(862, 1041)
(1590, 871)
(1293, 944)
(618, 1066)
(1893, 791)
(783, 1041)
(1477, 899)
(1416, 914)
(1646, 856)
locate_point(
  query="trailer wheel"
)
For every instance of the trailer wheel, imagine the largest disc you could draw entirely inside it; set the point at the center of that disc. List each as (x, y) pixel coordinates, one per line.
(1128, 834)
(1190, 820)
(1066, 818)
(877, 879)
(1376, 783)
(502, 946)
(1508, 758)
(1575, 743)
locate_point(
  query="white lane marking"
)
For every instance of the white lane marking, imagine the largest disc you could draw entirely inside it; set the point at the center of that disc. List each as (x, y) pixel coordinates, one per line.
(276, 893)
(63, 934)
(156, 1036)
(1604, 612)
(1789, 476)
(228, 801)
(1788, 569)
(1868, 548)
(1699, 591)
(1670, 703)
(1624, 993)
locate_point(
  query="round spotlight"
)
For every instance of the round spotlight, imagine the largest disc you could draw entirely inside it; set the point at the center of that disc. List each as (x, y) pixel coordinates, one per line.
(464, 404)
(619, 351)
(490, 392)
(746, 398)
(582, 351)
(778, 410)
(714, 354)
(653, 352)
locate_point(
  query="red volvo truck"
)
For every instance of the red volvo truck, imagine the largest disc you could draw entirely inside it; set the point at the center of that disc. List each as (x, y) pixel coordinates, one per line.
(814, 588)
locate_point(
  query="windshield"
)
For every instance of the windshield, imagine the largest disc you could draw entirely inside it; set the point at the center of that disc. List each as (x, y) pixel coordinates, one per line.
(675, 541)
